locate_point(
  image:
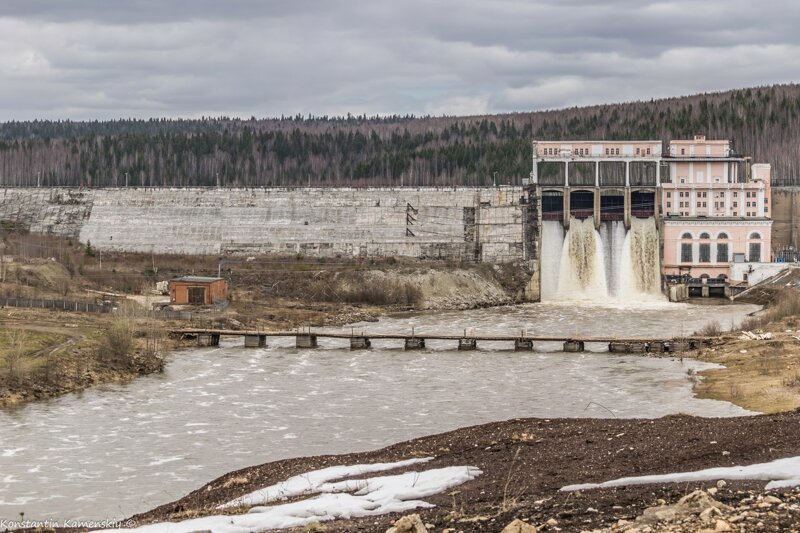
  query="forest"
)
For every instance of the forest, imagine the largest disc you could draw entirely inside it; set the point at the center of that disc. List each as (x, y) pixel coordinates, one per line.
(762, 122)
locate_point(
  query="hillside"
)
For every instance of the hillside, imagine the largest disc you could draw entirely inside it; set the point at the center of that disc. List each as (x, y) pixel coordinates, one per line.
(763, 122)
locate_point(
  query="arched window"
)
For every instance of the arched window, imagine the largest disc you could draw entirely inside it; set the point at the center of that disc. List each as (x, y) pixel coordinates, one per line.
(705, 235)
(755, 235)
(686, 235)
(722, 236)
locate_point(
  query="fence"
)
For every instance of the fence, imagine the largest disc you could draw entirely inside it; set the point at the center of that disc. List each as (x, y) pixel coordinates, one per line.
(66, 305)
(168, 314)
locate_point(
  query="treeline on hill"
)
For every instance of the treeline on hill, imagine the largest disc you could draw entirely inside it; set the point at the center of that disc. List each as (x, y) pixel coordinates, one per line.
(359, 151)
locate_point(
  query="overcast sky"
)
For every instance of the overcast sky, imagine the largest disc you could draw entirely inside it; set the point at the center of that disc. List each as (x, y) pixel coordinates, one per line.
(87, 59)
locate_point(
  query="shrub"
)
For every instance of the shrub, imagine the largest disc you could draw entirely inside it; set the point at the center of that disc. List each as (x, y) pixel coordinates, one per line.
(712, 329)
(118, 341)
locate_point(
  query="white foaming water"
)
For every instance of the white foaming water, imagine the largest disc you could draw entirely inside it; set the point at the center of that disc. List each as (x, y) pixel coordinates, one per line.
(612, 235)
(582, 272)
(552, 242)
(640, 273)
(601, 266)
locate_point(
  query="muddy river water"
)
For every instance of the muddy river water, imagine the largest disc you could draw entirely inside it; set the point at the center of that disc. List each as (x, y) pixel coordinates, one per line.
(120, 449)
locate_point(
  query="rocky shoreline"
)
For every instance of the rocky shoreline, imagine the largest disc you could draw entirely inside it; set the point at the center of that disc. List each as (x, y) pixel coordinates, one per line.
(525, 462)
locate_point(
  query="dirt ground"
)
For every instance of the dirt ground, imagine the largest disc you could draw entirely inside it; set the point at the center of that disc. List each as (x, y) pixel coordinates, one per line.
(47, 353)
(526, 461)
(760, 375)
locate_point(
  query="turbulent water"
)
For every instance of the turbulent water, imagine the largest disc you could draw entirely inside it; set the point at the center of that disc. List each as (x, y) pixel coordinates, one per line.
(124, 448)
(598, 265)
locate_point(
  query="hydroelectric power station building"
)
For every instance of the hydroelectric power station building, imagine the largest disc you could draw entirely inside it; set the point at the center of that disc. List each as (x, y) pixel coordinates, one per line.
(709, 208)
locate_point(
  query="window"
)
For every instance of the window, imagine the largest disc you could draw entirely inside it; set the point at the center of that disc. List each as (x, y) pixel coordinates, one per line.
(683, 180)
(705, 235)
(668, 204)
(705, 252)
(755, 252)
(669, 195)
(722, 252)
(638, 150)
(722, 236)
(683, 151)
(766, 201)
(686, 252)
(705, 194)
(698, 204)
(755, 235)
(704, 204)
(735, 194)
(735, 204)
(648, 151)
(616, 151)
(686, 235)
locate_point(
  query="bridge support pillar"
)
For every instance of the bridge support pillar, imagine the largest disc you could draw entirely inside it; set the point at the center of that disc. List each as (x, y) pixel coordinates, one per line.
(414, 343)
(596, 211)
(659, 347)
(255, 341)
(573, 346)
(467, 344)
(618, 347)
(638, 347)
(306, 340)
(523, 345)
(211, 339)
(359, 343)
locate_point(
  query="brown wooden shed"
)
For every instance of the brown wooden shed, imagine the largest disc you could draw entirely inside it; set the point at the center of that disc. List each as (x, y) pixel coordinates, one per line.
(197, 290)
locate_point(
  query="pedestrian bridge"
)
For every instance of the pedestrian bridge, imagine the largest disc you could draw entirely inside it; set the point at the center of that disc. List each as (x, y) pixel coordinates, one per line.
(306, 338)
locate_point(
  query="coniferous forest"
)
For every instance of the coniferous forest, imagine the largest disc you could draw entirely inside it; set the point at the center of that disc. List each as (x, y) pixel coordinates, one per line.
(763, 122)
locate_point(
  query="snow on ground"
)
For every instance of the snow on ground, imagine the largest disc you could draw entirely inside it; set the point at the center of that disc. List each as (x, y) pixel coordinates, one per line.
(350, 498)
(311, 482)
(780, 473)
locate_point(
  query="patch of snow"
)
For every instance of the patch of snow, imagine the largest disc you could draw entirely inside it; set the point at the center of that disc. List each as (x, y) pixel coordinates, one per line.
(780, 473)
(351, 498)
(310, 482)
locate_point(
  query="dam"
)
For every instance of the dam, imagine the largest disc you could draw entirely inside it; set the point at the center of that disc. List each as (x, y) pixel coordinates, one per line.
(490, 224)
(595, 220)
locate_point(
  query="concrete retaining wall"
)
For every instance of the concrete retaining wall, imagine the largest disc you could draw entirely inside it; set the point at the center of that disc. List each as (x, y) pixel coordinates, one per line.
(786, 217)
(431, 223)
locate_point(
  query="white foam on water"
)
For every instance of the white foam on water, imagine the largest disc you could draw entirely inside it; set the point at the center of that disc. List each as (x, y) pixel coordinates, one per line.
(611, 266)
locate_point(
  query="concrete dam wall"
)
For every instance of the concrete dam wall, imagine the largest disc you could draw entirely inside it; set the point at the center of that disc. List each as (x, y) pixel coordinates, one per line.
(484, 224)
(786, 217)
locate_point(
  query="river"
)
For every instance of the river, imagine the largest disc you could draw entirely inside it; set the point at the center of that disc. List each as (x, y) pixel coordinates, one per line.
(119, 449)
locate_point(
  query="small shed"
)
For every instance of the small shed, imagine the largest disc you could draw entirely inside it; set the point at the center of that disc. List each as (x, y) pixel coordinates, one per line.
(197, 290)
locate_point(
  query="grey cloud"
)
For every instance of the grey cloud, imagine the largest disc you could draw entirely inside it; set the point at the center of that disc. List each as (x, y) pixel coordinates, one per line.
(101, 59)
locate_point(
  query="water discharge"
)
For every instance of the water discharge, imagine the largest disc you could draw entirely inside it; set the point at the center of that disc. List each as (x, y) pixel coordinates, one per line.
(118, 449)
(587, 264)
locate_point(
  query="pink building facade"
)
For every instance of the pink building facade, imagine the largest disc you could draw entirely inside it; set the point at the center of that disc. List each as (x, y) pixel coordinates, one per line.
(716, 209)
